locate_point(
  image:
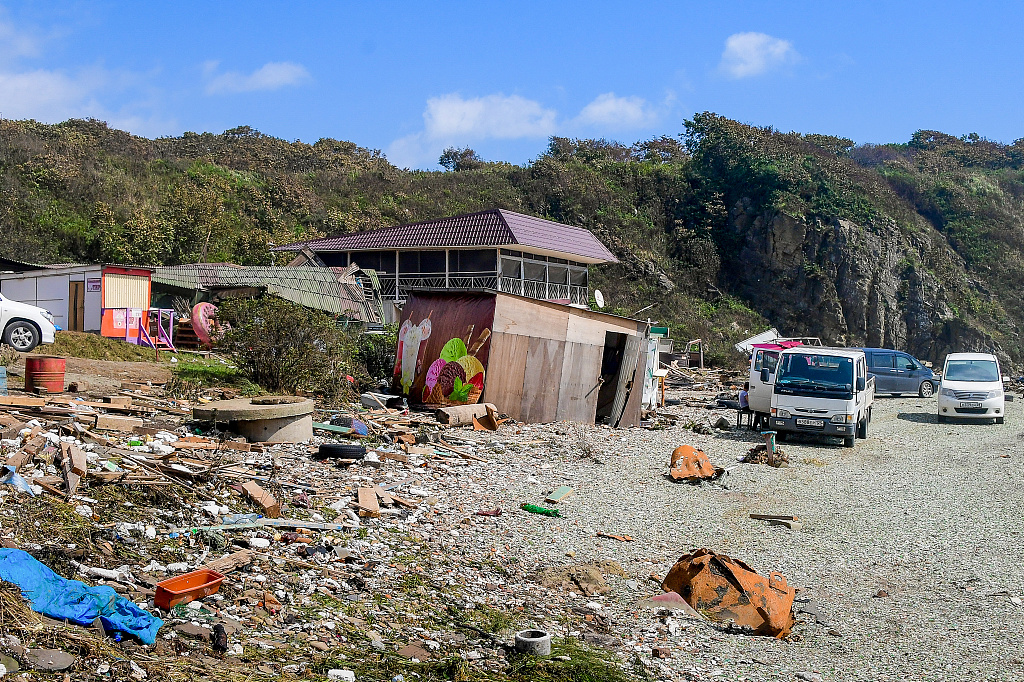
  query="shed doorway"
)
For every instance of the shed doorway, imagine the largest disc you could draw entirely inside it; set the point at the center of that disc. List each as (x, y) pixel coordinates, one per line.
(76, 307)
(611, 366)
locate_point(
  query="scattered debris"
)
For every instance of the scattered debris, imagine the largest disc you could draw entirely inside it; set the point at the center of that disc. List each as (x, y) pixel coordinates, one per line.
(692, 465)
(787, 520)
(732, 593)
(558, 494)
(620, 538)
(544, 511)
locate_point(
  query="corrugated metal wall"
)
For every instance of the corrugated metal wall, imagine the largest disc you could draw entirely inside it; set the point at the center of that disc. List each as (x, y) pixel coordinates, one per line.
(125, 291)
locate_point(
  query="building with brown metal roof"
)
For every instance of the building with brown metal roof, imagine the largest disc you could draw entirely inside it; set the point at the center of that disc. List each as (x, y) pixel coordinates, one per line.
(495, 249)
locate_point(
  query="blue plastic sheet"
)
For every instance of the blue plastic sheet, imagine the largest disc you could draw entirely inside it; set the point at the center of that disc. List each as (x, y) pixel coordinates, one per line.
(10, 476)
(57, 597)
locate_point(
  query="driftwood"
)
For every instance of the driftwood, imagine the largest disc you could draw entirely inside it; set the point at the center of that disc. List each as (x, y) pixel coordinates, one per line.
(462, 415)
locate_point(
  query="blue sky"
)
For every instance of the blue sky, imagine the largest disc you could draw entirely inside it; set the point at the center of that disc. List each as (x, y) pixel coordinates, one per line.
(413, 78)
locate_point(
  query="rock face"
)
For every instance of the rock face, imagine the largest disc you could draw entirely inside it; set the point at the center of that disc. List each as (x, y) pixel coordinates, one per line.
(851, 285)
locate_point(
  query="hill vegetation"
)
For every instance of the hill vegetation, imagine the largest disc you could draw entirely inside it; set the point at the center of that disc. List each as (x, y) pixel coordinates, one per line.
(721, 229)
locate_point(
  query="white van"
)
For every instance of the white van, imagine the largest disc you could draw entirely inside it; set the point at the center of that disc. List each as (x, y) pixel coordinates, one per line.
(822, 391)
(971, 388)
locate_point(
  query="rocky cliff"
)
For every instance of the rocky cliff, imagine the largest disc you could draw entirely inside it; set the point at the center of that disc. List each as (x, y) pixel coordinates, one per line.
(849, 284)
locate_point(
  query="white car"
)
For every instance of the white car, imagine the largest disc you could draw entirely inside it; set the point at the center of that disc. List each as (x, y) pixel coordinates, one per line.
(971, 388)
(25, 326)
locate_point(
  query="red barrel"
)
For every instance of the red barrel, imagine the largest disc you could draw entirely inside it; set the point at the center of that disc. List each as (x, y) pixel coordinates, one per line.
(44, 371)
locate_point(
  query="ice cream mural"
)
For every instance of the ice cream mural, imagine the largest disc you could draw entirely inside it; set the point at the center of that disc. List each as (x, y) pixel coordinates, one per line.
(411, 338)
(443, 345)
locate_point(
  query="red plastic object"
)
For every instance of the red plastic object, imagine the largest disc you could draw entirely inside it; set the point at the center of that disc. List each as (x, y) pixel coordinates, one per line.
(44, 371)
(184, 588)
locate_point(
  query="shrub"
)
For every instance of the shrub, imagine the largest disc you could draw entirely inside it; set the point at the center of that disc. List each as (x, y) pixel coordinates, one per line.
(377, 352)
(284, 347)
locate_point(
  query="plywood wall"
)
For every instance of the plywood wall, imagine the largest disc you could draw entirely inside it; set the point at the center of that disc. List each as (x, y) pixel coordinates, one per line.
(545, 360)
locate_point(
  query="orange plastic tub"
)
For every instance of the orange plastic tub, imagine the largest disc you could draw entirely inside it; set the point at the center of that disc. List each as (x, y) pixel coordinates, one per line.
(184, 588)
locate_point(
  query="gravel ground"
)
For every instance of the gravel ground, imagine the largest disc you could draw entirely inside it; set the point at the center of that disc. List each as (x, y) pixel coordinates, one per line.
(928, 513)
(908, 564)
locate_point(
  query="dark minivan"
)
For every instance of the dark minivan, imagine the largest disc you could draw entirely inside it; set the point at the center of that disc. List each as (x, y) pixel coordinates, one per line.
(896, 372)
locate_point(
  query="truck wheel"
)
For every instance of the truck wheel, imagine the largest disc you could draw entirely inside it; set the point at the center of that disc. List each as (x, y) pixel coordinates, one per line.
(895, 395)
(21, 336)
(927, 389)
(780, 436)
(862, 429)
(848, 442)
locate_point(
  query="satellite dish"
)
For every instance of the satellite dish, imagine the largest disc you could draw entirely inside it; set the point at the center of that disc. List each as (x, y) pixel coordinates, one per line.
(599, 298)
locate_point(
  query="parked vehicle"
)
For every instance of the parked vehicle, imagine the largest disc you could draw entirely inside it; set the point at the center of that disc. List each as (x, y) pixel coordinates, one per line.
(971, 388)
(25, 326)
(896, 372)
(821, 391)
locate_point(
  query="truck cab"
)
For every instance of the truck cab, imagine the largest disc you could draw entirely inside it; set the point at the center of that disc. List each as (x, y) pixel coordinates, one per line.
(821, 391)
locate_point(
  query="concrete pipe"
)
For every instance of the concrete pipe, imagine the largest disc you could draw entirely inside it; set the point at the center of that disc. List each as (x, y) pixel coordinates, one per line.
(534, 642)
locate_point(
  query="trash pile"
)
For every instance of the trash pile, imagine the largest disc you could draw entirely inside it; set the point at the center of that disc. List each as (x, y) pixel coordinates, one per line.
(174, 547)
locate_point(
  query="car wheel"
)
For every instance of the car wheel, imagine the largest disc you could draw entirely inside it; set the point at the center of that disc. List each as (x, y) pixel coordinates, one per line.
(940, 418)
(999, 420)
(848, 442)
(21, 336)
(927, 389)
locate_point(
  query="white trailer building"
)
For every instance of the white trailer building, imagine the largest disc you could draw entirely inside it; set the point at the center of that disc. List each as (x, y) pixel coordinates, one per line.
(72, 293)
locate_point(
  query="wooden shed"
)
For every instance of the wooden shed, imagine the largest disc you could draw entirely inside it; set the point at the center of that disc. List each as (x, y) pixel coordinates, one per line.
(537, 361)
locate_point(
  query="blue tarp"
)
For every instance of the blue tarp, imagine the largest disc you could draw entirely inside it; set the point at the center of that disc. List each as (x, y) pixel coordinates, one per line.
(57, 597)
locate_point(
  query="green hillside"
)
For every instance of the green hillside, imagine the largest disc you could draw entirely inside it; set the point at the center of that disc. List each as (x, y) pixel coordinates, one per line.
(722, 229)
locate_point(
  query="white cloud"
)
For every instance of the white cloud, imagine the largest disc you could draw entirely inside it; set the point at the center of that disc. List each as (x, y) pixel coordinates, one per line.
(751, 54)
(49, 95)
(270, 76)
(451, 120)
(15, 43)
(610, 112)
(450, 117)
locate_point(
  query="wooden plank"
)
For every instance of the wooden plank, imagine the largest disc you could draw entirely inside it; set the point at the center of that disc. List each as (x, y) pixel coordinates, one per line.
(587, 330)
(19, 459)
(71, 479)
(367, 500)
(506, 368)
(78, 461)
(392, 455)
(527, 317)
(271, 507)
(109, 422)
(542, 379)
(384, 496)
(11, 431)
(20, 401)
(559, 494)
(231, 562)
(577, 394)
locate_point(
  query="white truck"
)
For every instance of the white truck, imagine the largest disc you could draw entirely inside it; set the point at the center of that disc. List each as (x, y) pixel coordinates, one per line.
(814, 390)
